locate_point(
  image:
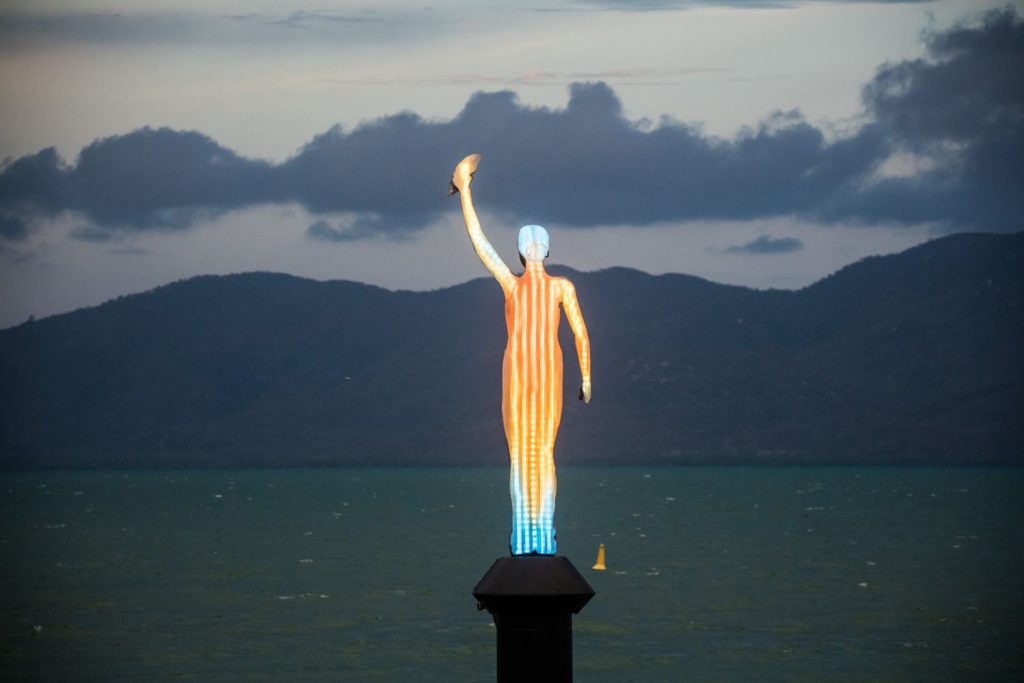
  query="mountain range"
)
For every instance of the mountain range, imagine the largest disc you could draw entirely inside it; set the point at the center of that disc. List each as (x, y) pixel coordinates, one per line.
(909, 358)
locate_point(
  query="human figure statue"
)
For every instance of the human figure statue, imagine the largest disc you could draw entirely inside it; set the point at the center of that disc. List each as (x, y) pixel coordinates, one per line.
(531, 373)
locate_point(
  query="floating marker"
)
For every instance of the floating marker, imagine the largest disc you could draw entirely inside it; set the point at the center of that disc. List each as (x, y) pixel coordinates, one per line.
(599, 565)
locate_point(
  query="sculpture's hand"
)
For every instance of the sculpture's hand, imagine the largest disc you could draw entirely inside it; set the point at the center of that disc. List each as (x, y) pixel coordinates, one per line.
(463, 174)
(585, 391)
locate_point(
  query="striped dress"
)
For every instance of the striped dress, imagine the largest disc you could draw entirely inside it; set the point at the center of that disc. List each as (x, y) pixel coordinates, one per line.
(531, 403)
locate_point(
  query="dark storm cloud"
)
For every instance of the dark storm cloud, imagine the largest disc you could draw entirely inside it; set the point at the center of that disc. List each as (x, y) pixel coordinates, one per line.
(165, 179)
(970, 87)
(962, 109)
(147, 179)
(582, 165)
(960, 112)
(767, 245)
(12, 228)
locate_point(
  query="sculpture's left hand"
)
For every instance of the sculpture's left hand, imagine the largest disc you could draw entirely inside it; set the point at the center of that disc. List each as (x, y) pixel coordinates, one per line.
(585, 391)
(463, 174)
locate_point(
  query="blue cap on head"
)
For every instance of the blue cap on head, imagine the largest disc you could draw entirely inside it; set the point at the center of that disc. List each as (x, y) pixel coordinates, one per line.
(534, 243)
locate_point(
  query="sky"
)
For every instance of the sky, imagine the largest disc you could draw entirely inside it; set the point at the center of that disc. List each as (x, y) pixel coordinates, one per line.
(764, 143)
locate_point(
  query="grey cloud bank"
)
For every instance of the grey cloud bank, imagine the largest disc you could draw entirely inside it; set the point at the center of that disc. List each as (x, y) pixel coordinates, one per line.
(959, 111)
(767, 245)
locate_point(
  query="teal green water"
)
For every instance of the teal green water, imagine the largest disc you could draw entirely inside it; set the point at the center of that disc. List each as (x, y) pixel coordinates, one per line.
(714, 574)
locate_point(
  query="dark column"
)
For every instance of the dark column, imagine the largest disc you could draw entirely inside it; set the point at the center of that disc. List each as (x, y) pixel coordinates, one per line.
(532, 599)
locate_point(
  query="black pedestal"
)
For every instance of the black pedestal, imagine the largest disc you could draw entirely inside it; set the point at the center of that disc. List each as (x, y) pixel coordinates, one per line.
(532, 599)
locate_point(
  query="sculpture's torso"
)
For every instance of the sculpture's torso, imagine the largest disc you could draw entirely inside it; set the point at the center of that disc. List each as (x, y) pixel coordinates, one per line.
(531, 405)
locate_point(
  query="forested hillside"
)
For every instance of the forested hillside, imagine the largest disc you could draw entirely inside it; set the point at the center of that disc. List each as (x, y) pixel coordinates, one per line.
(908, 358)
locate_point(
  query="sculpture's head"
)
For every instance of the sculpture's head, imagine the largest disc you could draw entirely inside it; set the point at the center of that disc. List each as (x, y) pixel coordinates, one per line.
(534, 243)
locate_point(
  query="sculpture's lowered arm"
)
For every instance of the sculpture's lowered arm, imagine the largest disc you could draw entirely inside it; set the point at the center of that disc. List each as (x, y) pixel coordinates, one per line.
(571, 306)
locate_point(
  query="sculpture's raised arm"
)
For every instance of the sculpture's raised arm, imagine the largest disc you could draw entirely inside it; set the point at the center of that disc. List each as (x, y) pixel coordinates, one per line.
(461, 179)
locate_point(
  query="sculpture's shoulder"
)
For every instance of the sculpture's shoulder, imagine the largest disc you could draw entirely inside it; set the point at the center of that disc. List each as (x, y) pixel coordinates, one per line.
(515, 282)
(564, 286)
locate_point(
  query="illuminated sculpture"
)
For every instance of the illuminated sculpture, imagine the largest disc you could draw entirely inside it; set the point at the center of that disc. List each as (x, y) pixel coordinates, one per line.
(531, 375)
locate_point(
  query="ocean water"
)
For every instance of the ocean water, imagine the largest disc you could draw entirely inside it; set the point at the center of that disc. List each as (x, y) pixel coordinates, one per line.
(714, 574)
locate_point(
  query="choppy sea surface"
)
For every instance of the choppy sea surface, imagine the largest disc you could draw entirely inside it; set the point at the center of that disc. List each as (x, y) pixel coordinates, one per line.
(714, 574)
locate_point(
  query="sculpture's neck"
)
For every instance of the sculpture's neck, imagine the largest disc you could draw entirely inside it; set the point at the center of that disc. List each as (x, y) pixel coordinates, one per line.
(534, 268)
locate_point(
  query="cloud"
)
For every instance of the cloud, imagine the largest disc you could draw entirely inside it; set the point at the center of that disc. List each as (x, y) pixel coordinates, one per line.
(634, 76)
(657, 5)
(91, 233)
(360, 227)
(12, 228)
(304, 19)
(165, 179)
(959, 111)
(767, 245)
(962, 110)
(22, 29)
(145, 180)
(322, 230)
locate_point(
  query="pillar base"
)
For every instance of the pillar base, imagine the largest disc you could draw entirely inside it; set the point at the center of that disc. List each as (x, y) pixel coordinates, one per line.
(532, 599)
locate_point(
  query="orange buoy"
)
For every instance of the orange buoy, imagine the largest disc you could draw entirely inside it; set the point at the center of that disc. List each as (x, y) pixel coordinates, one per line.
(599, 565)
